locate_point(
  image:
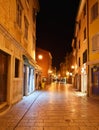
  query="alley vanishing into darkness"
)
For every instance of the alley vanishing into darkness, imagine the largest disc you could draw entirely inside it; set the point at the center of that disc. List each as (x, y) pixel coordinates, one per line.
(58, 107)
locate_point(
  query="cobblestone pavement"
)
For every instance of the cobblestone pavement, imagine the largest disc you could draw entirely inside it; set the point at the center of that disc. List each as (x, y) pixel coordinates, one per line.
(57, 108)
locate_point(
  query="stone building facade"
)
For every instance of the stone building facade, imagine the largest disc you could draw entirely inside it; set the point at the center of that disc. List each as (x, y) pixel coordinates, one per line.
(17, 49)
(86, 47)
(44, 60)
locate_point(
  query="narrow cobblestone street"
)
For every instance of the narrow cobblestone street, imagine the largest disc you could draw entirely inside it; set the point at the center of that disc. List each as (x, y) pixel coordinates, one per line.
(59, 107)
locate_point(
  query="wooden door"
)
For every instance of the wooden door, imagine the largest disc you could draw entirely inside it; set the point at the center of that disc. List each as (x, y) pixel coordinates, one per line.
(3, 76)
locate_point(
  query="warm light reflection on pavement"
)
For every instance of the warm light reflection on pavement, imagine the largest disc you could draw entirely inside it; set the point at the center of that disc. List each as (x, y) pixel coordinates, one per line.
(58, 107)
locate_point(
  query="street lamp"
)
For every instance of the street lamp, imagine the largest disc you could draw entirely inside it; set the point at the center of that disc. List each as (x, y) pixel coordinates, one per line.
(67, 73)
(49, 71)
(72, 67)
(40, 57)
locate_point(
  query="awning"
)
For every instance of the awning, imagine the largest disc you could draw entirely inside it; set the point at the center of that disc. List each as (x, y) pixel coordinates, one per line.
(30, 64)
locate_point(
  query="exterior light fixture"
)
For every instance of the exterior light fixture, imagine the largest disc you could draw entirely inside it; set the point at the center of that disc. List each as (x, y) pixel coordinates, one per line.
(40, 57)
(67, 73)
(72, 67)
(70, 74)
(49, 71)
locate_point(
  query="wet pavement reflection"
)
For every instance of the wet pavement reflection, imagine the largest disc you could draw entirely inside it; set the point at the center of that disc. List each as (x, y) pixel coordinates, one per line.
(58, 107)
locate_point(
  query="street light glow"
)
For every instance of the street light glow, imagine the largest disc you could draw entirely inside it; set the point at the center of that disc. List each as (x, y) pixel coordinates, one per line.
(49, 71)
(40, 57)
(67, 73)
(72, 67)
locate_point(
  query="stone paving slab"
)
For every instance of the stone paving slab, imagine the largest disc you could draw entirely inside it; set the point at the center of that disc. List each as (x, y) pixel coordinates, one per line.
(58, 108)
(9, 120)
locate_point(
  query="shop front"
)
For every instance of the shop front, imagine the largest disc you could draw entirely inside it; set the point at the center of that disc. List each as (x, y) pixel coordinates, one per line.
(29, 77)
(84, 79)
(95, 80)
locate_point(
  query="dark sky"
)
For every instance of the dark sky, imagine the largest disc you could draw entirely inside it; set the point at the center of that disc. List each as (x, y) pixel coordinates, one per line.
(55, 27)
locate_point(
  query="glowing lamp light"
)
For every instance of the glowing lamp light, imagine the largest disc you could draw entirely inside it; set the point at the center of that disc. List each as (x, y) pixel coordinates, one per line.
(49, 71)
(71, 74)
(72, 67)
(67, 73)
(40, 57)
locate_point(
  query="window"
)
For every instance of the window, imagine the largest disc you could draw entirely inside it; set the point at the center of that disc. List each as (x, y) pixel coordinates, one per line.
(84, 33)
(85, 56)
(16, 67)
(94, 11)
(26, 28)
(95, 76)
(19, 13)
(95, 43)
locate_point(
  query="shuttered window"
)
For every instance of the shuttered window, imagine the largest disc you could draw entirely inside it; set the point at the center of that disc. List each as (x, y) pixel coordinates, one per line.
(94, 11)
(95, 43)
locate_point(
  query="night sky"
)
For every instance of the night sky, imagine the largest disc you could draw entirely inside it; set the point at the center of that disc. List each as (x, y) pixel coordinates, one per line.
(55, 27)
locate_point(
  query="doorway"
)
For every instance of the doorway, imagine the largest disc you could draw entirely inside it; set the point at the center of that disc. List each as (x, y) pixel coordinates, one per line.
(3, 76)
(95, 82)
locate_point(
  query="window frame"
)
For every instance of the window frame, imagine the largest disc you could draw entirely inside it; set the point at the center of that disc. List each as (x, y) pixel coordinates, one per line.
(94, 11)
(19, 9)
(17, 64)
(95, 43)
(85, 56)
